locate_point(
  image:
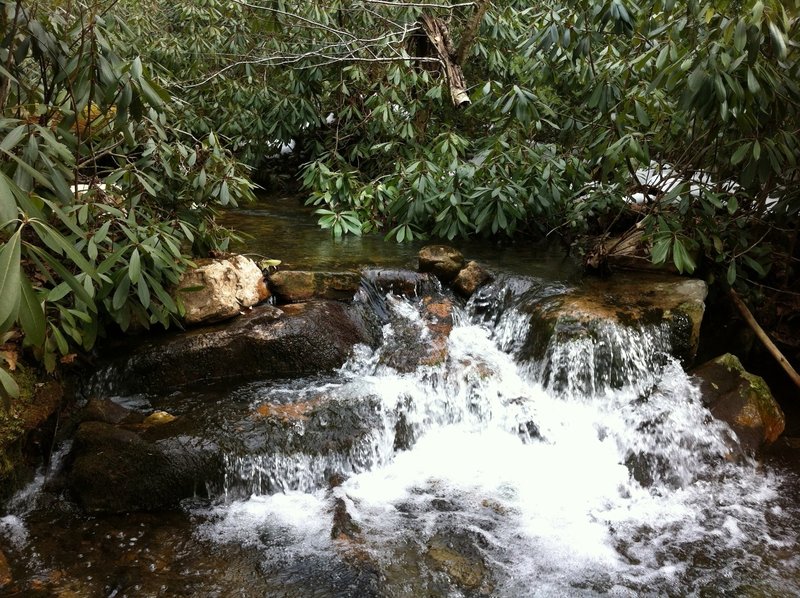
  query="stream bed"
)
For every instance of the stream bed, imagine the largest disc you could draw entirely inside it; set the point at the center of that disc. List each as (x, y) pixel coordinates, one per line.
(592, 470)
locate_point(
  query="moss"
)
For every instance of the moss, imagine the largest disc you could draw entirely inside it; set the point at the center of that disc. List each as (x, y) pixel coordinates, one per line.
(11, 420)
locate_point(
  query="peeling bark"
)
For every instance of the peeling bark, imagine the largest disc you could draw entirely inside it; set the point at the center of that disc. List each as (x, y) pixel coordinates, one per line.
(434, 40)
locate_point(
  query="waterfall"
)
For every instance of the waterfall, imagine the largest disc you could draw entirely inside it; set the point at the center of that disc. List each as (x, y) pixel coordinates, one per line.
(578, 463)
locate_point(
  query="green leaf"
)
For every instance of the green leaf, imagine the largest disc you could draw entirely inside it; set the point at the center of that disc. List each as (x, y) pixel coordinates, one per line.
(31, 314)
(740, 153)
(135, 267)
(731, 276)
(10, 293)
(121, 293)
(681, 258)
(9, 385)
(661, 250)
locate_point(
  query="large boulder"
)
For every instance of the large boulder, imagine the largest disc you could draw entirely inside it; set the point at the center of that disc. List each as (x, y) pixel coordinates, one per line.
(443, 261)
(114, 469)
(676, 303)
(266, 342)
(742, 400)
(296, 286)
(217, 290)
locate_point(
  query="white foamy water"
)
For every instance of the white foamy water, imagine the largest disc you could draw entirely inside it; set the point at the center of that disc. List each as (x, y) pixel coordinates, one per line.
(565, 478)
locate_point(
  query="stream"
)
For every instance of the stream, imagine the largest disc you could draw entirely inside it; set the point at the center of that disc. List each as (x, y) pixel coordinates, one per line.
(593, 470)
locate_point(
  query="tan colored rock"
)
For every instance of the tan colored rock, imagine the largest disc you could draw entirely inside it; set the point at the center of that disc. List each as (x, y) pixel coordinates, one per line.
(742, 400)
(461, 563)
(297, 286)
(158, 418)
(442, 260)
(470, 279)
(634, 300)
(5, 571)
(218, 289)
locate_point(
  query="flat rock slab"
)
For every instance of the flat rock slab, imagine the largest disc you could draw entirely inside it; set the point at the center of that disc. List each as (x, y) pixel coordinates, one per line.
(297, 286)
(267, 342)
(639, 300)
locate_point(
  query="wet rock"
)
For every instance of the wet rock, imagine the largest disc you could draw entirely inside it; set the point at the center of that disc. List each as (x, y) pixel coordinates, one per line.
(158, 418)
(470, 279)
(742, 400)
(109, 412)
(5, 571)
(115, 470)
(423, 342)
(323, 425)
(405, 283)
(456, 555)
(443, 261)
(344, 527)
(25, 427)
(266, 342)
(632, 301)
(295, 286)
(218, 289)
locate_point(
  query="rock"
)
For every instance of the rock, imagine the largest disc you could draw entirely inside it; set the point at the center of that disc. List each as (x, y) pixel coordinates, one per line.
(218, 289)
(402, 282)
(344, 526)
(158, 418)
(109, 412)
(115, 470)
(443, 261)
(422, 342)
(470, 278)
(266, 342)
(456, 555)
(5, 571)
(295, 286)
(634, 301)
(25, 429)
(742, 400)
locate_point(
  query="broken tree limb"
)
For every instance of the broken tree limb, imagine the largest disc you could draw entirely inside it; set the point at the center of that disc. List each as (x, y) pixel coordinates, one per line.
(440, 44)
(765, 340)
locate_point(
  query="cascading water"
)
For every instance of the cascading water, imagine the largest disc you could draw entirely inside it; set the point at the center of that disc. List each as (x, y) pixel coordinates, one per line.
(592, 469)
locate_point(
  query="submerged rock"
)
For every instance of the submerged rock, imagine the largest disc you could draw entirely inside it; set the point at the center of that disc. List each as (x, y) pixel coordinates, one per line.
(742, 400)
(218, 289)
(456, 555)
(295, 286)
(115, 470)
(443, 261)
(266, 342)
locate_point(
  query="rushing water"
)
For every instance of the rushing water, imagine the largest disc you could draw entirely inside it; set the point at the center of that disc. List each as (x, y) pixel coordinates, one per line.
(593, 470)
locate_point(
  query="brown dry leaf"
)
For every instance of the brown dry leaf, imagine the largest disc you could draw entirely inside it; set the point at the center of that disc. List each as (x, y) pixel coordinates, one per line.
(11, 357)
(68, 358)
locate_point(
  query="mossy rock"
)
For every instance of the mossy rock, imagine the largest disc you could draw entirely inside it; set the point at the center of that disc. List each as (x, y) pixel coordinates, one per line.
(38, 401)
(742, 400)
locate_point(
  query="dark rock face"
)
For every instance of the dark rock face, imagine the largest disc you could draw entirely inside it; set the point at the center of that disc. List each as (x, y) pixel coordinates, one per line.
(742, 400)
(295, 286)
(443, 261)
(117, 470)
(265, 343)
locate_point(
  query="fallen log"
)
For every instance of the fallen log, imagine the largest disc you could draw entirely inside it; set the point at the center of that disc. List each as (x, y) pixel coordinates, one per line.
(764, 338)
